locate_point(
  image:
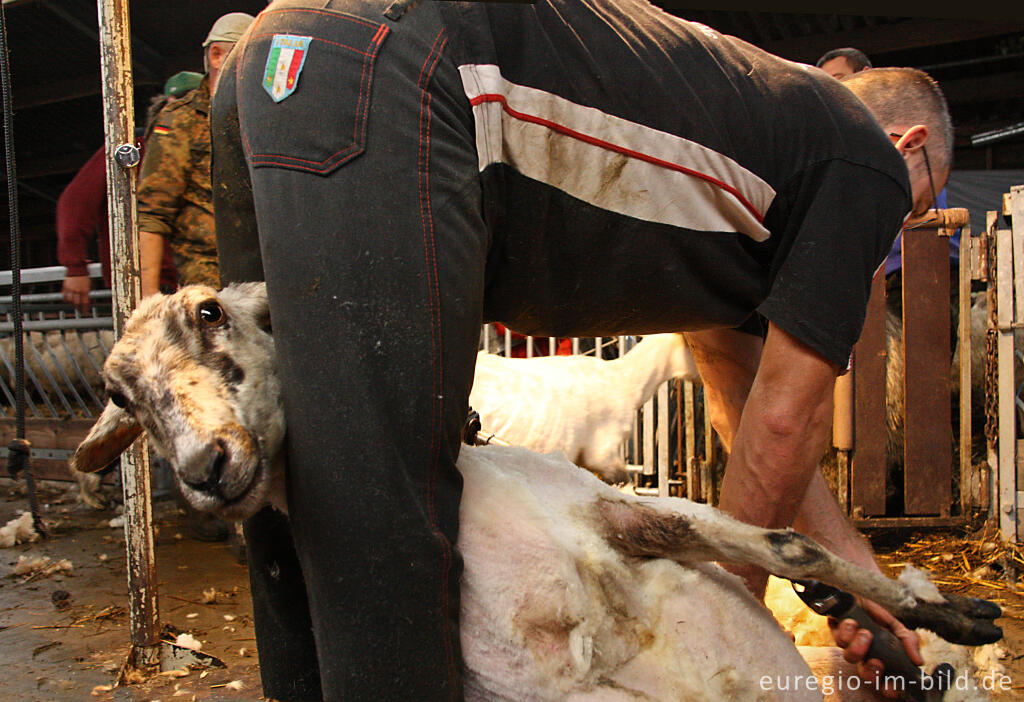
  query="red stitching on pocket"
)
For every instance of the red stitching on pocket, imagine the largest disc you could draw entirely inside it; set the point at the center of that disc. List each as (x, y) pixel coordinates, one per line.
(361, 111)
(325, 41)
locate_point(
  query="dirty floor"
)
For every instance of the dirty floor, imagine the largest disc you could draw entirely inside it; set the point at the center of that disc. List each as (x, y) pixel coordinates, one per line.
(57, 646)
(64, 635)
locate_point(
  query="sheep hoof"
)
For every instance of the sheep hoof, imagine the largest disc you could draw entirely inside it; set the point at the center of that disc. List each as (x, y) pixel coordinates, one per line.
(960, 620)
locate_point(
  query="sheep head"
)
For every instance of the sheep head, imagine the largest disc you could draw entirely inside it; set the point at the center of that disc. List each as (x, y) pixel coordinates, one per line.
(195, 371)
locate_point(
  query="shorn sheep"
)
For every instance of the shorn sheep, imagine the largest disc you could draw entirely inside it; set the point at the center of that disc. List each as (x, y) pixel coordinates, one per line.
(571, 590)
(580, 405)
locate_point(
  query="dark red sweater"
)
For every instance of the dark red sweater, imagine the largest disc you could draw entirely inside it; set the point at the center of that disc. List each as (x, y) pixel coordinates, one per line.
(82, 215)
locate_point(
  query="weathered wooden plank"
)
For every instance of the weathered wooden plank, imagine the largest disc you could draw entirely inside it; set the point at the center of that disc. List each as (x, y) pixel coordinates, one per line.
(1017, 234)
(968, 495)
(927, 465)
(1004, 342)
(867, 480)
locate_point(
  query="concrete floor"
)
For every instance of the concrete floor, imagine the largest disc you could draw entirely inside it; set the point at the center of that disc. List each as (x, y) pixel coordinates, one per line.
(75, 653)
(70, 654)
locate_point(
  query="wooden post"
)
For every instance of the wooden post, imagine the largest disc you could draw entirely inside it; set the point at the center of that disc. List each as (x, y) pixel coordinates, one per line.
(867, 480)
(1004, 340)
(1008, 425)
(119, 120)
(967, 488)
(927, 465)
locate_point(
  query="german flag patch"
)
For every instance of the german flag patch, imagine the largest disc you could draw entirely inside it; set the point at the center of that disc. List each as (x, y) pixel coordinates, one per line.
(160, 129)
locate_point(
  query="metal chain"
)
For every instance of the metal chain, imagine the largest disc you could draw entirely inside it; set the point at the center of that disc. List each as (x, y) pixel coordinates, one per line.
(19, 448)
(991, 368)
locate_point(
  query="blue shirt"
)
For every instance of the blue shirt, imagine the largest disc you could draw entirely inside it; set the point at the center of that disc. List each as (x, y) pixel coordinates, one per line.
(894, 261)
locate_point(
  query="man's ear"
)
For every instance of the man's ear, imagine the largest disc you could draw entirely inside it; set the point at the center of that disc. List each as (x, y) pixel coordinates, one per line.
(913, 139)
(113, 432)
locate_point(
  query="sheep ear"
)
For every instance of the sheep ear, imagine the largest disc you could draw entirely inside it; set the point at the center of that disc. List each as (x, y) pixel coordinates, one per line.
(112, 433)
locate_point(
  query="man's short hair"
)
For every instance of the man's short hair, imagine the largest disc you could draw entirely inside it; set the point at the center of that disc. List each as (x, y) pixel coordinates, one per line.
(857, 59)
(903, 97)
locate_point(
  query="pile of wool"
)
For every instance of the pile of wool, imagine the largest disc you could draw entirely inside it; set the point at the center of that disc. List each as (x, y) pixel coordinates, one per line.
(19, 530)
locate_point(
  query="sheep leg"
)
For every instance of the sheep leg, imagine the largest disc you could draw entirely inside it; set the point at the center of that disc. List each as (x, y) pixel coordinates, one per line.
(686, 532)
(89, 489)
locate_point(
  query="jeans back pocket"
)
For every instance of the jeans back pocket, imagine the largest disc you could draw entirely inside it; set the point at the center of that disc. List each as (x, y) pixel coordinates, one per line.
(304, 79)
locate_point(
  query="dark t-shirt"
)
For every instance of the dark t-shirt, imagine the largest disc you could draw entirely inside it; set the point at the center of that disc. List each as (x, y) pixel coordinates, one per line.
(644, 173)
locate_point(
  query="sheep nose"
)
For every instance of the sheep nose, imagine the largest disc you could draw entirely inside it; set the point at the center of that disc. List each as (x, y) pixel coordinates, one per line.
(202, 472)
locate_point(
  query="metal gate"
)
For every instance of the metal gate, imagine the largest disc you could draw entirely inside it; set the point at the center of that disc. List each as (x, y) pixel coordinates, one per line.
(64, 353)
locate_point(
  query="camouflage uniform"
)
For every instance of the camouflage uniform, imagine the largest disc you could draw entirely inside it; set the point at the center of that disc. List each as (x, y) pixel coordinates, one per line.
(175, 199)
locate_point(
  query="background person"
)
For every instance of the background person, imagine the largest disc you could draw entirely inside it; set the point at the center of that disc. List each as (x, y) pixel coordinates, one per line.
(840, 63)
(82, 219)
(175, 201)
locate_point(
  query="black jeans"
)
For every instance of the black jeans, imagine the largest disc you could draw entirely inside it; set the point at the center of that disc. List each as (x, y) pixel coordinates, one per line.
(364, 219)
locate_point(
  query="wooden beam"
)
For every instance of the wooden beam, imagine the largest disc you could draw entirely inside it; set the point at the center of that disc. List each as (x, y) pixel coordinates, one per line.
(880, 40)
(994, 86)
(147, 59)
(985, 9)
(52, 165)
(66, 90)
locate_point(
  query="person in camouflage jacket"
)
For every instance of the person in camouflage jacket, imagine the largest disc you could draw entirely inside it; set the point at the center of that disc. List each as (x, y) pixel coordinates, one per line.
(175, 200)
(174, 196)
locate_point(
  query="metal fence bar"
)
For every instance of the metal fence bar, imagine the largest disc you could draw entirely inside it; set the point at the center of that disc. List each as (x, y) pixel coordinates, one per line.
(64, 375)
(48, 274)
(88, 354)
(34, 298)
(49, 376)
(690, 428)
(30, 377)
(53, 324)
(664, 467)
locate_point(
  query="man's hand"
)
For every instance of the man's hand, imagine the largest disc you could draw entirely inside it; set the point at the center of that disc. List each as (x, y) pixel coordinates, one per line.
(855, 643)
(75, 291)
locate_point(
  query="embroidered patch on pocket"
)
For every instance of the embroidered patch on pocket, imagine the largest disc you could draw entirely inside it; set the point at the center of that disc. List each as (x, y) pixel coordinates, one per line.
(285, 59)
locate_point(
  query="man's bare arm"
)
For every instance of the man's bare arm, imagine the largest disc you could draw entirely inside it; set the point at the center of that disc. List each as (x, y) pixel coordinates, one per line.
(728, 363)
(151, 253)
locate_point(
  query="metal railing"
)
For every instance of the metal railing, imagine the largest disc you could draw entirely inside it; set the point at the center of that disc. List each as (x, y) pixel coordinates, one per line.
(64, 350)
(672, 449)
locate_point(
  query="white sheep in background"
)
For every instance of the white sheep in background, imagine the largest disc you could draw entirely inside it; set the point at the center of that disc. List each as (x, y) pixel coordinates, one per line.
(571, 590)
(580, 405)
(66, 362)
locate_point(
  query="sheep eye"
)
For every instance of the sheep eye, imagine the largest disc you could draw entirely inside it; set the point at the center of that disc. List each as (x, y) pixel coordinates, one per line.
(118, 399)
(211, 313)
